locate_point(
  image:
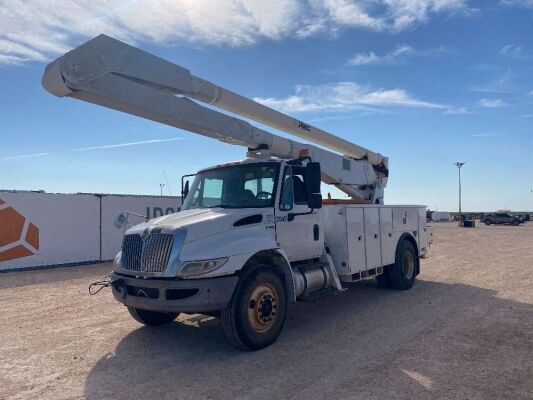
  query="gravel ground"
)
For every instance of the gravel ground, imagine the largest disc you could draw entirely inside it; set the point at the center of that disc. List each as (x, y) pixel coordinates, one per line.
(464, 331)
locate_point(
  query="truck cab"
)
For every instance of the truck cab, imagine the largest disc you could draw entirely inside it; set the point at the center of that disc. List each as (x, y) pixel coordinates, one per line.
(236, 218)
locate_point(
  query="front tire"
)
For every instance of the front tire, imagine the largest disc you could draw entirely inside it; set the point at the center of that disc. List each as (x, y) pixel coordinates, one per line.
(151, 318)
(256, 314)
(487, 222)
(402, 273)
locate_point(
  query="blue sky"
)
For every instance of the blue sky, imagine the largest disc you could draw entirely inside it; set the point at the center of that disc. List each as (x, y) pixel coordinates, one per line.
(425, 82)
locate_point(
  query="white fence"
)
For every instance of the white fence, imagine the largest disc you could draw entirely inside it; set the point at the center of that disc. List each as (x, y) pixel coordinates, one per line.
(42, 229)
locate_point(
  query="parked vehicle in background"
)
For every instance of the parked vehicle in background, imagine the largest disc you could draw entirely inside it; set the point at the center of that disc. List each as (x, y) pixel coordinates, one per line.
(502, 218)
(524, 218)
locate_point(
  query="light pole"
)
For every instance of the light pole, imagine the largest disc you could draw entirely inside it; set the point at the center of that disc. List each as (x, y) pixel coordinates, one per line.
(161, 185)
(459, 165)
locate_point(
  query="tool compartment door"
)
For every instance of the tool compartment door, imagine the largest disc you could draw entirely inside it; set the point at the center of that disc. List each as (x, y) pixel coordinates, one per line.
(372, 238)
(356, 239)
(388, 240)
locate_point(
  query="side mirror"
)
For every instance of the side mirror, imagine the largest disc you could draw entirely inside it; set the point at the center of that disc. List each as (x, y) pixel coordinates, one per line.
(312, 177)
(314, 200)
(185, 191)
(185, 186)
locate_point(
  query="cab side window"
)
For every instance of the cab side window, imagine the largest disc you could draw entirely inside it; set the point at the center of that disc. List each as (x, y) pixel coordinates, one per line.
(286, 198)
(299, 185)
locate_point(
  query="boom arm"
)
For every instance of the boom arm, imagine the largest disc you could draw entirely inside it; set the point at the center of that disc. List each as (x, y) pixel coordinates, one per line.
(113, 74)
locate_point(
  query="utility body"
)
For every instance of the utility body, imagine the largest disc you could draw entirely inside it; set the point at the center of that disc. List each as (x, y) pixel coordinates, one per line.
(252, 235)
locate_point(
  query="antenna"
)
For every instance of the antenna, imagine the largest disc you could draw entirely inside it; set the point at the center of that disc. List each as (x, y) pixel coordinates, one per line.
(168, 186)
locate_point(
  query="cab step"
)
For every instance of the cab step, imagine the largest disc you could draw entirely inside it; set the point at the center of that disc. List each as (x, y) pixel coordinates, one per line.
(313, 297)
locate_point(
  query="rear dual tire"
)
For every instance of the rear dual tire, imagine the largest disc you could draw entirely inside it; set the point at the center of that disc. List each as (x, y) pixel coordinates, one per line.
(402, 274)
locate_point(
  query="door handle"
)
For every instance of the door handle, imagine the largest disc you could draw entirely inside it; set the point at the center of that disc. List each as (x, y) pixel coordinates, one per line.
(316, 232)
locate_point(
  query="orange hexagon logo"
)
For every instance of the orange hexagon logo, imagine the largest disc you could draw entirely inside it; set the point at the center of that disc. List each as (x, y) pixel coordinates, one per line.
(18, 236)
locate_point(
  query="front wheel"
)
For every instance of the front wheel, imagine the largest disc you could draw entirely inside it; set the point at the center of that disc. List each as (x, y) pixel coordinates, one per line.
(487, 222)
(151, 318)
(402, 273)
(256, 314)
(515, 223)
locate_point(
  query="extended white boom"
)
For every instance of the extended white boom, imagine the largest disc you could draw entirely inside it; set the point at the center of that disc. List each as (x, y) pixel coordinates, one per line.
(113, 74)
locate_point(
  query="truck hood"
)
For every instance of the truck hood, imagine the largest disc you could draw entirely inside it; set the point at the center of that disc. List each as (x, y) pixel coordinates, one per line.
(199, 223)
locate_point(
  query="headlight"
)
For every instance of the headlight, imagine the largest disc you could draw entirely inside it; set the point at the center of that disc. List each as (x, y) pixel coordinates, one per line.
(116, 261)
(191, 268)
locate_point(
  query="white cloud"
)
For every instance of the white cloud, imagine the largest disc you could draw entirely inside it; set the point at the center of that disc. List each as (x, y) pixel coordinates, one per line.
(343, 96)
(520, 3)
(24, 156)
(37, 30)
(514, 51)
(505, 84)
(477, 135)
(372, 58)
(457, 111)
(102, 147)
(397, 56)
(492, 103)
(406, 13)
(118, 145)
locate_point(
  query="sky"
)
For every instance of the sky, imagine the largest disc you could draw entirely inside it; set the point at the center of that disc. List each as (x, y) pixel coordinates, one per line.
(424, 82)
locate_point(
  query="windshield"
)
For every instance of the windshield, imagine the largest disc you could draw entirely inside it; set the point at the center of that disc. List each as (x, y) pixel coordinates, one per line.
(239, 186)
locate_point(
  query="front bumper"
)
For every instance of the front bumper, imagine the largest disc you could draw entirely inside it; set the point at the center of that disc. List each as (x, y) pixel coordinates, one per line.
(171, 295)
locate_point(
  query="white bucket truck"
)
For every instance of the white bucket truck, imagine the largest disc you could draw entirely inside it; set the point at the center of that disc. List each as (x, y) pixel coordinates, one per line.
(255, 234)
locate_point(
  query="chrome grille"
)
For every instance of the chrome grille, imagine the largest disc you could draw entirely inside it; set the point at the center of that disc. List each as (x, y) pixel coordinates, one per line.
(132, 246)
(150, 255)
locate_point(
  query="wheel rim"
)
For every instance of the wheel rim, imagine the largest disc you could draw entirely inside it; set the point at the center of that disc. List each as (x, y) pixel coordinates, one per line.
(262, 307)
(408, 264)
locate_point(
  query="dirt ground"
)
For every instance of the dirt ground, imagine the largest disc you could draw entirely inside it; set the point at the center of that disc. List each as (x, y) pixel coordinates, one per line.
(464, 331)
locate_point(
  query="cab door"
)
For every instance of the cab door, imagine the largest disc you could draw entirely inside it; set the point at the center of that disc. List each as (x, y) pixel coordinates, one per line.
(302, 237)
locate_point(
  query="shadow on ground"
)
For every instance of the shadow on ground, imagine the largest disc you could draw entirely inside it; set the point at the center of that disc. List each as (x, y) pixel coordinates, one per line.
(446, 340)
(53, 275)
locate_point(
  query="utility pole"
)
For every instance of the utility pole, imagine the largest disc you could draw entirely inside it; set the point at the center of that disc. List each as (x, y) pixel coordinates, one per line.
(459, 165)
(161, 186)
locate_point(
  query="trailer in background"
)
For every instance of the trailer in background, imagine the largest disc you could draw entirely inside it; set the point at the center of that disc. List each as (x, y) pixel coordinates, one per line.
(441, 216)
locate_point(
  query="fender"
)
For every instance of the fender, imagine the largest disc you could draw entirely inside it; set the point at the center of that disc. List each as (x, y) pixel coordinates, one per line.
(276, 258)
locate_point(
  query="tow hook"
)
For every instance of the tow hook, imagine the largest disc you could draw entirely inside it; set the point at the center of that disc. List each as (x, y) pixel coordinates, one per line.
(118, 284)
